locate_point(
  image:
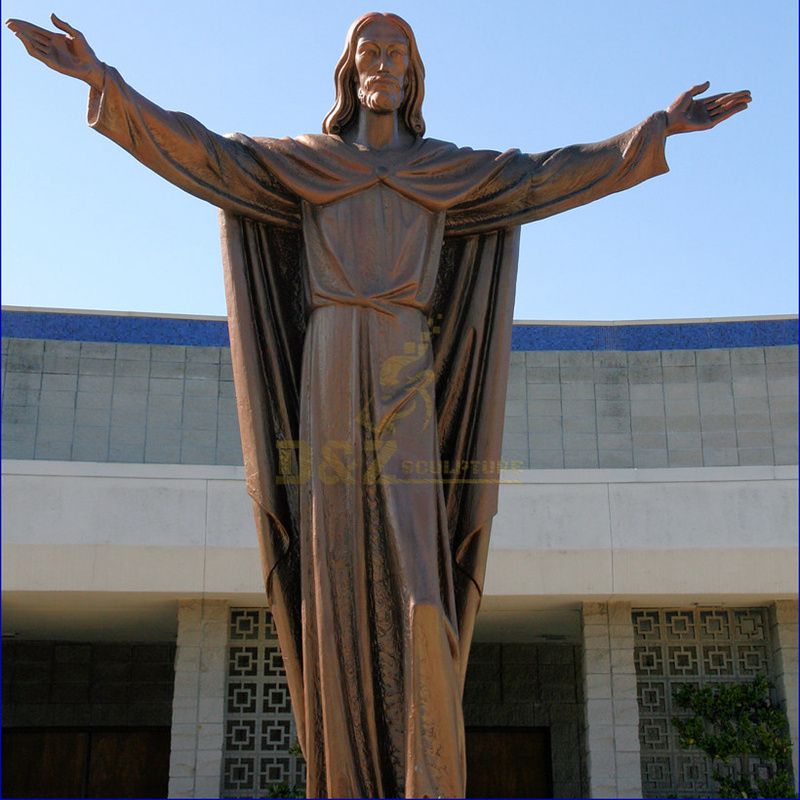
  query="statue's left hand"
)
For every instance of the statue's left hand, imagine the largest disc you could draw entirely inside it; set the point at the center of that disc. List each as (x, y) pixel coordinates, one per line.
(68, 53)
(687, 114)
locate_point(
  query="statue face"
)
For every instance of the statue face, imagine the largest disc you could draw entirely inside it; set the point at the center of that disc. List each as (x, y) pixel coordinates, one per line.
(381, 65)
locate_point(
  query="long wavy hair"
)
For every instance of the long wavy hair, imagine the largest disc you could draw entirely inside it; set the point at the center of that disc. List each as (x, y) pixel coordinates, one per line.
(345, 106)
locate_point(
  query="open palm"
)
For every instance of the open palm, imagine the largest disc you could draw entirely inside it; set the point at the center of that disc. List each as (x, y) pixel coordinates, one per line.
(68, 53)
(687, 114)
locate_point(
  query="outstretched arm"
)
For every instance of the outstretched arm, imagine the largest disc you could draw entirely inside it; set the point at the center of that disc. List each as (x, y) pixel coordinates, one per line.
(226, 172)
(525, 187)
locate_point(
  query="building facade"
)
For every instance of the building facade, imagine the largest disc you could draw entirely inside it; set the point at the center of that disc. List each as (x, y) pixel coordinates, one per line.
(646, 538)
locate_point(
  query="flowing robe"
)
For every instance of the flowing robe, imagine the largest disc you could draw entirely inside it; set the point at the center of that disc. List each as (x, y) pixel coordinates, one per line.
(370, 296)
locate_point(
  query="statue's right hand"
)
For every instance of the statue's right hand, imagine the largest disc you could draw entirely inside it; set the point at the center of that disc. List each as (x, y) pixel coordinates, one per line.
(68, 53)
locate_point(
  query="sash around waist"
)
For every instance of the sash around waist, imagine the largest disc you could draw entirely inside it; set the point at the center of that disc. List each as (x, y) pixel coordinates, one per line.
(391, 302)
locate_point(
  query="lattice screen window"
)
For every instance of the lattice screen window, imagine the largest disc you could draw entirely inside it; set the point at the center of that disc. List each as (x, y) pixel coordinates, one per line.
(699, 646)
(259, 728)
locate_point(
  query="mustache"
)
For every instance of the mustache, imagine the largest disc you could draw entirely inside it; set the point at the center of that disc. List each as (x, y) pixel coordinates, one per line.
(383, 78)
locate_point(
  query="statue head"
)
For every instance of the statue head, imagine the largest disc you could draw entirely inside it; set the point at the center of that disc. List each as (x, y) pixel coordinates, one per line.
(355, 87)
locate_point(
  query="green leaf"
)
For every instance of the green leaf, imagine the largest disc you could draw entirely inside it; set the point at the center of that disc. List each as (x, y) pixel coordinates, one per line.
(737, 721)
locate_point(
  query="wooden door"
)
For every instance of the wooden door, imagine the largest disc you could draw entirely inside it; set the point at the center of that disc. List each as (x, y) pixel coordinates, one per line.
(129, 763)
(44, 763)
(509, 762)
(69, 762)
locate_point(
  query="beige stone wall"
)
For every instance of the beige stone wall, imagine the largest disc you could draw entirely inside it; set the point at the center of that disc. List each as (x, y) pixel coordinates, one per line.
(611, 710)
(170, 404)
(199, 701)
(783, 636)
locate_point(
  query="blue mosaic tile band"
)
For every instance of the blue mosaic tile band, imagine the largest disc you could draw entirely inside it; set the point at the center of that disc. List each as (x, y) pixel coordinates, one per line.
(214, 333)
(108, 328)
(657, 336)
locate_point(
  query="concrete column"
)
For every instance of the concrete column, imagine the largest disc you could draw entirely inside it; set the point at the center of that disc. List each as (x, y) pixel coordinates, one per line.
(783, 630)
(198, 705)
(613, 761)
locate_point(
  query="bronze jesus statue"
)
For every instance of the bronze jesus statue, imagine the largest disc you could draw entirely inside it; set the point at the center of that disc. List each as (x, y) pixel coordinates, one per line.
(370, 276)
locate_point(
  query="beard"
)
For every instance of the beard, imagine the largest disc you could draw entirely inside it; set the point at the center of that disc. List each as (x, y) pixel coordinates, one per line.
(383, 98)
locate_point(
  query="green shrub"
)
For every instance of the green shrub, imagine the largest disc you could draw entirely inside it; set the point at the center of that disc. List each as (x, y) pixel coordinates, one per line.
(738, 721)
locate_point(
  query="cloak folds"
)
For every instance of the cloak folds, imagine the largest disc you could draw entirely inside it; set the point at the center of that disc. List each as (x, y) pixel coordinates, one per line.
(472, 309)
(335, 256)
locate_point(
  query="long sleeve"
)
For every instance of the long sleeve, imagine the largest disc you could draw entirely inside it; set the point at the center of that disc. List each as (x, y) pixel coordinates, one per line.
(532, 187)
(227, 172)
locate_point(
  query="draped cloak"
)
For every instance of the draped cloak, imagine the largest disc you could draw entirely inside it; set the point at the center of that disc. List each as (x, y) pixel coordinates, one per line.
(370, 298)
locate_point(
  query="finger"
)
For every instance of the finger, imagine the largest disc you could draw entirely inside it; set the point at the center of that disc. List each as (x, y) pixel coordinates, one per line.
(728, 113)
(715, 98)
(720, 107)
(699, 89)
(20, 26)
(29, 46)
(742, 93)
(728, 102)
(64, 26)
(717, 118)
(44, 38)
(728, 95)
(33, 39)
(745, 97)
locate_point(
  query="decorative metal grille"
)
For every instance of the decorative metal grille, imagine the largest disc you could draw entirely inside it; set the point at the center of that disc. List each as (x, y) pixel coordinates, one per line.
(259, 729)
(699, 646)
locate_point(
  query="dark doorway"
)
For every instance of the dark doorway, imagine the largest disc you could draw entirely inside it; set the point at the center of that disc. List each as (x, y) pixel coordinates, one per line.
(88, 762)
(509, 762)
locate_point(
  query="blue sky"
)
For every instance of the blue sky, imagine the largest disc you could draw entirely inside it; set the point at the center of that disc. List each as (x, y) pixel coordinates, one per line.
(86, 226)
